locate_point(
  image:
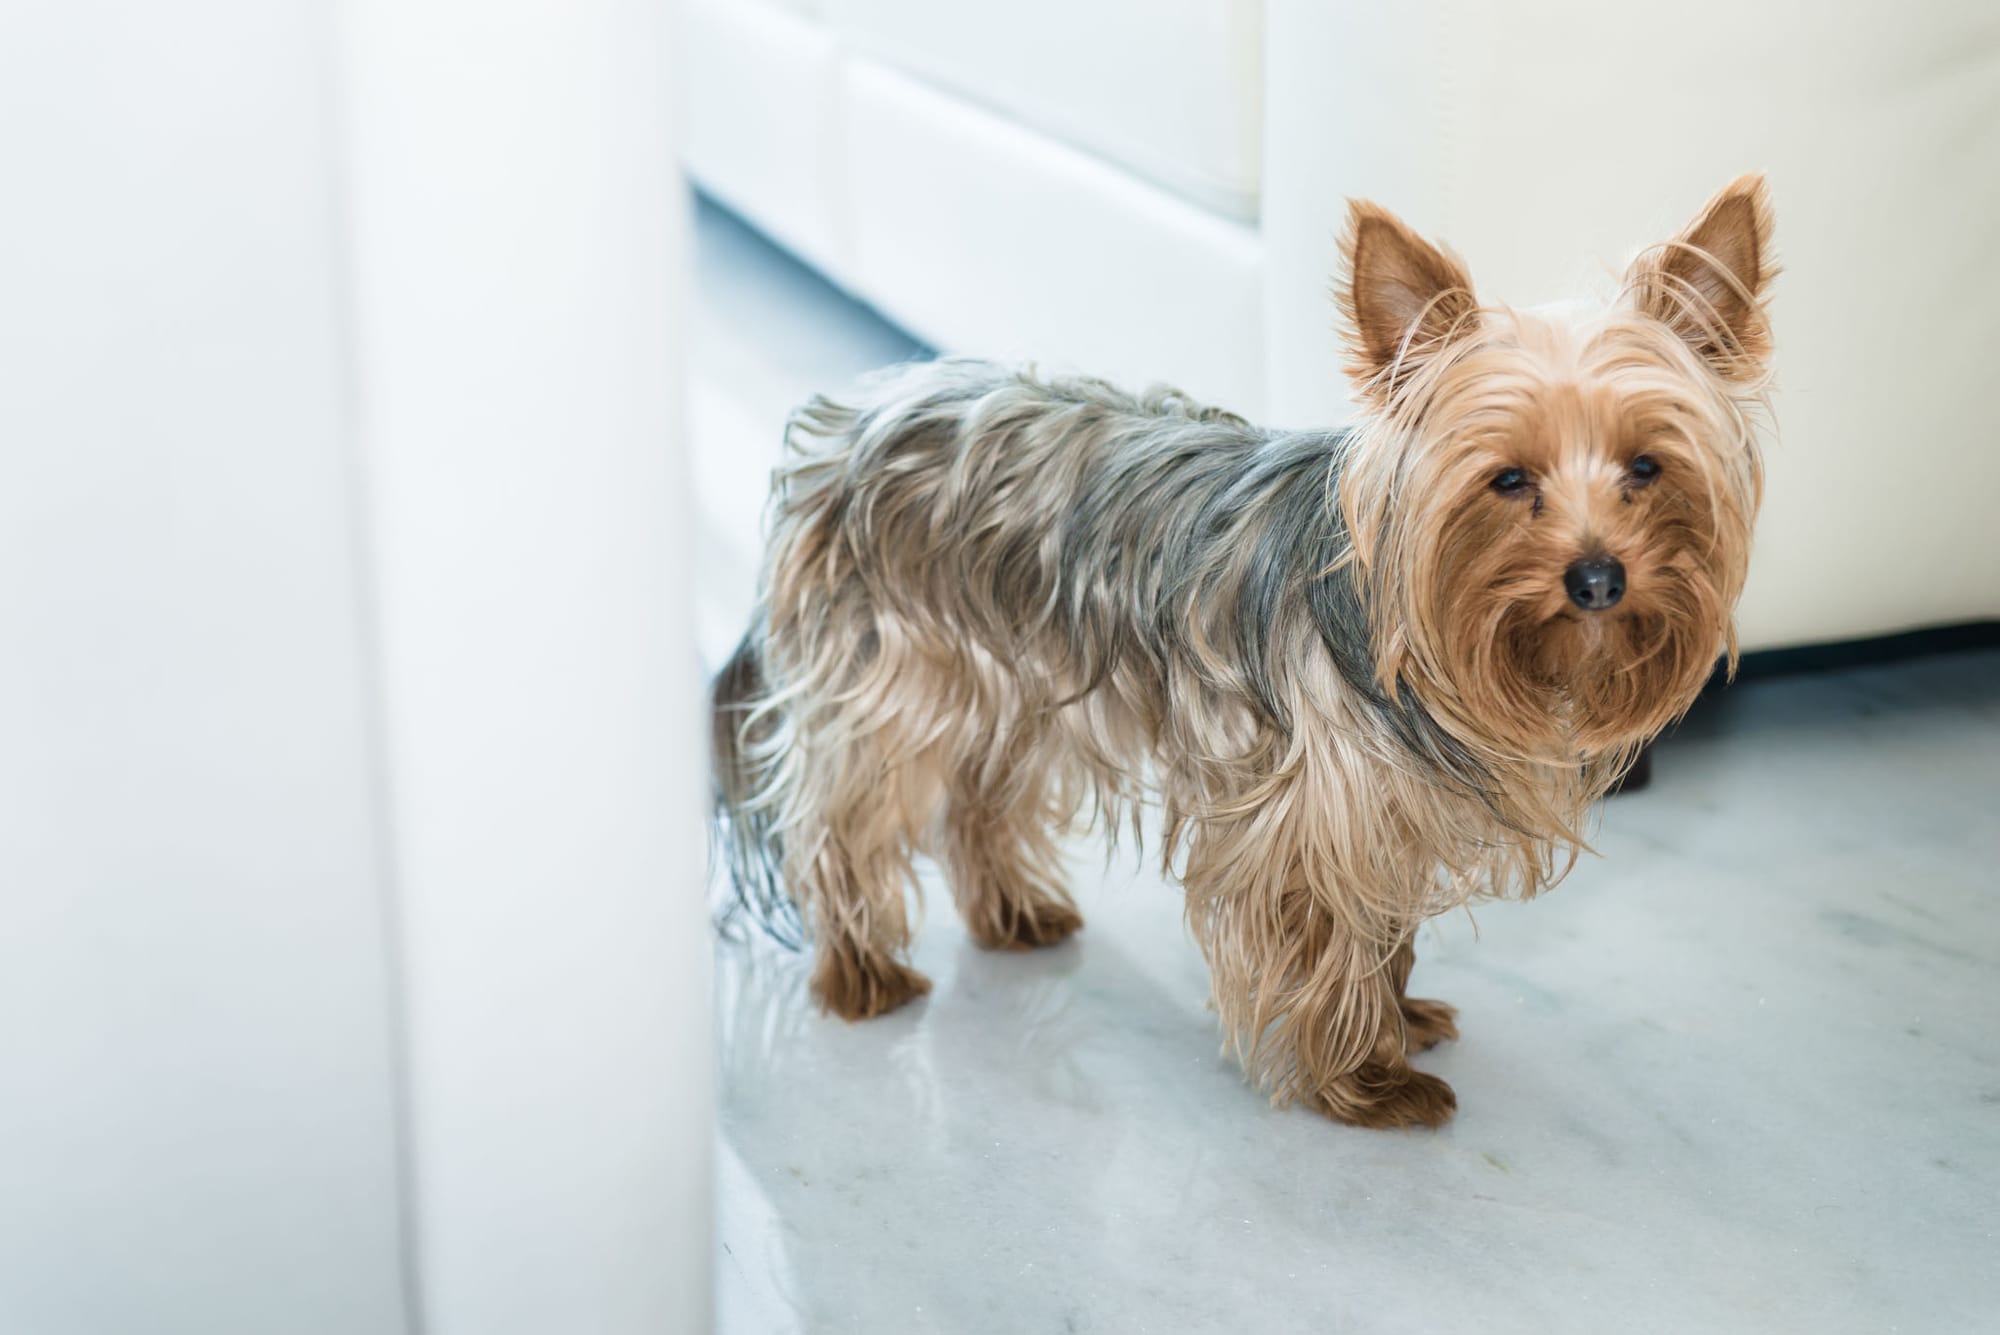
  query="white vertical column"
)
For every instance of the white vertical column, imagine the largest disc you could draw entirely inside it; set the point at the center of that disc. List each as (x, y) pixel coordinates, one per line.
(515, 230)
(197, 1122)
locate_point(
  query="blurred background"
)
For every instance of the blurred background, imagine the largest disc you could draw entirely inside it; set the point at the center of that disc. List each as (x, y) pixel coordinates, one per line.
(388, 394)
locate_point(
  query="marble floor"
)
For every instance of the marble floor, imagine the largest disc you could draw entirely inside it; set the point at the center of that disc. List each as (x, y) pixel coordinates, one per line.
(1739, 1073)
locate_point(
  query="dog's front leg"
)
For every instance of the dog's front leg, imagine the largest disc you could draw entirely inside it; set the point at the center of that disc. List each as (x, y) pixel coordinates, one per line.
(1313, 1001)
(1426, 1023)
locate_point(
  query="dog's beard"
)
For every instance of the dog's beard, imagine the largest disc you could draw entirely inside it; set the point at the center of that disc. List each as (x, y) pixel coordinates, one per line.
(1609, 681)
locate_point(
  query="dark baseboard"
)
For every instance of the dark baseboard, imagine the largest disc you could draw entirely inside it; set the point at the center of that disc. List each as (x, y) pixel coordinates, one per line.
(1766, 663)
(1867, 653)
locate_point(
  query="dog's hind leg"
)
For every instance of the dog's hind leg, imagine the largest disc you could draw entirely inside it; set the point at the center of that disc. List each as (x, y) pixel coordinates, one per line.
(1000, 854)
(853, 877)
(999, 881)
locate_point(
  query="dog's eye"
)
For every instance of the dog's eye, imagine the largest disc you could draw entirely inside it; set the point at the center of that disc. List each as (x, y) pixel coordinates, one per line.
(1510, 481)
(1645, 468)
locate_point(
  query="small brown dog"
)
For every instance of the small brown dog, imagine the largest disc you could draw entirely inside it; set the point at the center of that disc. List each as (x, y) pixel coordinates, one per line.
(1370, 673)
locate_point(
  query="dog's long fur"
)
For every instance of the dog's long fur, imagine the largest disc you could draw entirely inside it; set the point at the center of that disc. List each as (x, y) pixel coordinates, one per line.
(999, 604)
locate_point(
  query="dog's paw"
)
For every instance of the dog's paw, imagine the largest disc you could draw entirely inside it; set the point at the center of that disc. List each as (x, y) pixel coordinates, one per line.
(862, 987)
(1427, 1023)
(1422, 1100)
(1040, 924)
(1381, 1099)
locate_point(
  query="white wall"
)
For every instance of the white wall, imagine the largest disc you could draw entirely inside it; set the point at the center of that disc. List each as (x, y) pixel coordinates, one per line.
(196, 1113)
(344, 701)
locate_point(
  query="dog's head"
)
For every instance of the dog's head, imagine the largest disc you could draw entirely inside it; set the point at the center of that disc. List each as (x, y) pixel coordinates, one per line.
(1551, 515)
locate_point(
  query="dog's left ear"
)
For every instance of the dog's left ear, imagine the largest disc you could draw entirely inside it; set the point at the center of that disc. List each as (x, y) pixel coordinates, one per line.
(1708, 283)
(1404, 299)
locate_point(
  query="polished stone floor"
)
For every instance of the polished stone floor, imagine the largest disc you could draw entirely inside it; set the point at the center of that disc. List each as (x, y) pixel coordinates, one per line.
(1740, 1073)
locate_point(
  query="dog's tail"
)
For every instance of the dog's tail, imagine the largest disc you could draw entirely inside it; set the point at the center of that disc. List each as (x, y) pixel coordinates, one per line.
(745, 826)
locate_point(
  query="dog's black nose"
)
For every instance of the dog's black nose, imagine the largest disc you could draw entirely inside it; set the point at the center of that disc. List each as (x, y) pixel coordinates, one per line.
(1595, 583)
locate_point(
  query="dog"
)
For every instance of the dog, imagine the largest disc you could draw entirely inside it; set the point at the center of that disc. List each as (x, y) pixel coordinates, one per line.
(1369, 674)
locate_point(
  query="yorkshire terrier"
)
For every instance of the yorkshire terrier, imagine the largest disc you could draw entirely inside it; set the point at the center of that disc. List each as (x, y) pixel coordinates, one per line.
(1369, 673)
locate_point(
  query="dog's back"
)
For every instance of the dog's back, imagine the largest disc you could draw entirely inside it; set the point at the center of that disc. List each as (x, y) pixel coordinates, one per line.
(1063, 527)
(992, 499)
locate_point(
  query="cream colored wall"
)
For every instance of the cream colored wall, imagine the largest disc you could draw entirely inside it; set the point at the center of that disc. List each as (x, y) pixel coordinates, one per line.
(1547, 142)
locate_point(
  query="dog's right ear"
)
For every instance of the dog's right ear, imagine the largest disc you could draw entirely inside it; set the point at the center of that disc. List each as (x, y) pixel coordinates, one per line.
(1403, 299)
(1709, 283)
